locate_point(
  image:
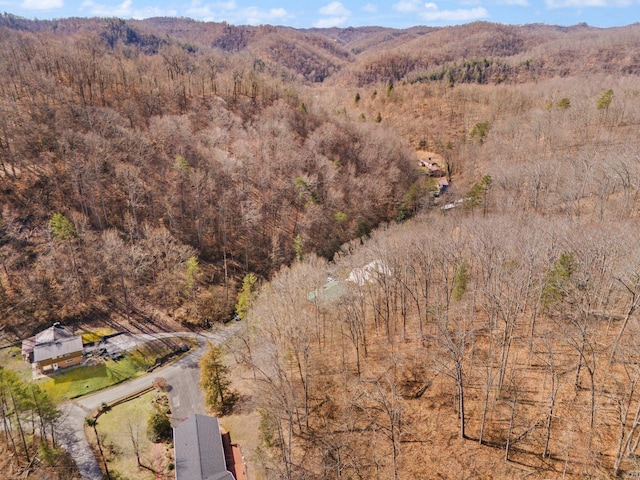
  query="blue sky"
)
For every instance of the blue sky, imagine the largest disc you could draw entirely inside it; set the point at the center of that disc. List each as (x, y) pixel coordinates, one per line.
(345, 13)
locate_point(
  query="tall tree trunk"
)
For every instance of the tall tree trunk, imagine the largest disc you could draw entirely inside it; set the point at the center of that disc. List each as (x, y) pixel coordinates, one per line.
(511, 420)
(19, 424)
(552, 403)
(7, 427)
(461, 412)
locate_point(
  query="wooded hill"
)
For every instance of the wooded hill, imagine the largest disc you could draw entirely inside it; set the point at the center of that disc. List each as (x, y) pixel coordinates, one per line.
(147, 166)
(180, 155)
(457, 346)
(156, 151)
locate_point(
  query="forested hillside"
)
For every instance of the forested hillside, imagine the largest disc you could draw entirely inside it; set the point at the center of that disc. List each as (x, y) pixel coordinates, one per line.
(147, 166)
(457, 346)
(494, 335)
(156, 151)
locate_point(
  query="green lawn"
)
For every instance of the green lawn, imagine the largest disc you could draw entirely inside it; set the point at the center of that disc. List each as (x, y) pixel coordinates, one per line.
(125, 424)
(11, 359)
(96, 335)
(83, 380)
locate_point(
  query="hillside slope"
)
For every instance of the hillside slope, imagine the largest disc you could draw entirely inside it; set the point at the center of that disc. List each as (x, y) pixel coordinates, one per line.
(239, 146)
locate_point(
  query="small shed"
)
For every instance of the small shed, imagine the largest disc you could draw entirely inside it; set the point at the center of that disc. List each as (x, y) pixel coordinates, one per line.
(443, 185)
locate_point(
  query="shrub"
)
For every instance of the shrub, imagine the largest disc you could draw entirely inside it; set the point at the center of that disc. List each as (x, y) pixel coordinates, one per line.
(159, 426)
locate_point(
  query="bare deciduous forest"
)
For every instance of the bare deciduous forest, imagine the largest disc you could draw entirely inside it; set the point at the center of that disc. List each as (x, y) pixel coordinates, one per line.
(488, 331)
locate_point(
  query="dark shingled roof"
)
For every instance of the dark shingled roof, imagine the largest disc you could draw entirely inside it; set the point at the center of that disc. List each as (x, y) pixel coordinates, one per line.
(55, 333)
(198, 450)
(57, 349)
(55, 341)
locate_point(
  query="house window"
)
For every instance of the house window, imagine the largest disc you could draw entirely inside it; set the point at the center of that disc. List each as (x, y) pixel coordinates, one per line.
(71, 360)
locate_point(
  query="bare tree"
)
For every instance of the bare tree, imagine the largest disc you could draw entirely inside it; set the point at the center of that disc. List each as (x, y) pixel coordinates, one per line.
(554, 373)
(134, 429)
(383, 405)
(454, 336)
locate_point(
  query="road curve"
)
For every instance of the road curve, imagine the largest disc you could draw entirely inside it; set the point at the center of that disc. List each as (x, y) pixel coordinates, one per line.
(185, 395)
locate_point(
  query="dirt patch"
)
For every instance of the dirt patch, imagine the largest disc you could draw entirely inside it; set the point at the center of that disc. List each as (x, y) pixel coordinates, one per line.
(244, 423)
(430, 157)
(122, 431)
(244, 431)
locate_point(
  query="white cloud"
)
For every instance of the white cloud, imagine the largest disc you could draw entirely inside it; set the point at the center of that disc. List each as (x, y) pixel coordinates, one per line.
(370, 8)
(334, 9)
(430, 12)
(124, 10)
(211, 12)
(337, 15)
(586, 3)
(229, 12)
(511, 3)
(41, 4)
(199, 11)
(330, 22)
(258, 16)
(230, 5)
(408, 6)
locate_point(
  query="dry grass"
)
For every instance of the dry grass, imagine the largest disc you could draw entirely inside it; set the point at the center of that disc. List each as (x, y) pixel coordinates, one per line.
(116, 429)
(244, 423)
(431, 424)
(58, 465)
(11, 359)
(244, 431)
(96, 334)
(431, 446)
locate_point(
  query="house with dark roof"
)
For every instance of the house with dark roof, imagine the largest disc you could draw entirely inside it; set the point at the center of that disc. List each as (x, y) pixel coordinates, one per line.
(54, 348)
(198, 449)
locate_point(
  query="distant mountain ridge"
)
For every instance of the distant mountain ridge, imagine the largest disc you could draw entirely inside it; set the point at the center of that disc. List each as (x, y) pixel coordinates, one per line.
(365, 55)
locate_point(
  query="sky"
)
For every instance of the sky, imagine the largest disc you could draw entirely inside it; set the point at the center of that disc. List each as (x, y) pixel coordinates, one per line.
(344, 13)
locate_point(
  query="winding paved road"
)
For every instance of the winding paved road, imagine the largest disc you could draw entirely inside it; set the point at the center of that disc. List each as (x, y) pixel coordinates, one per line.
(185, 395)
